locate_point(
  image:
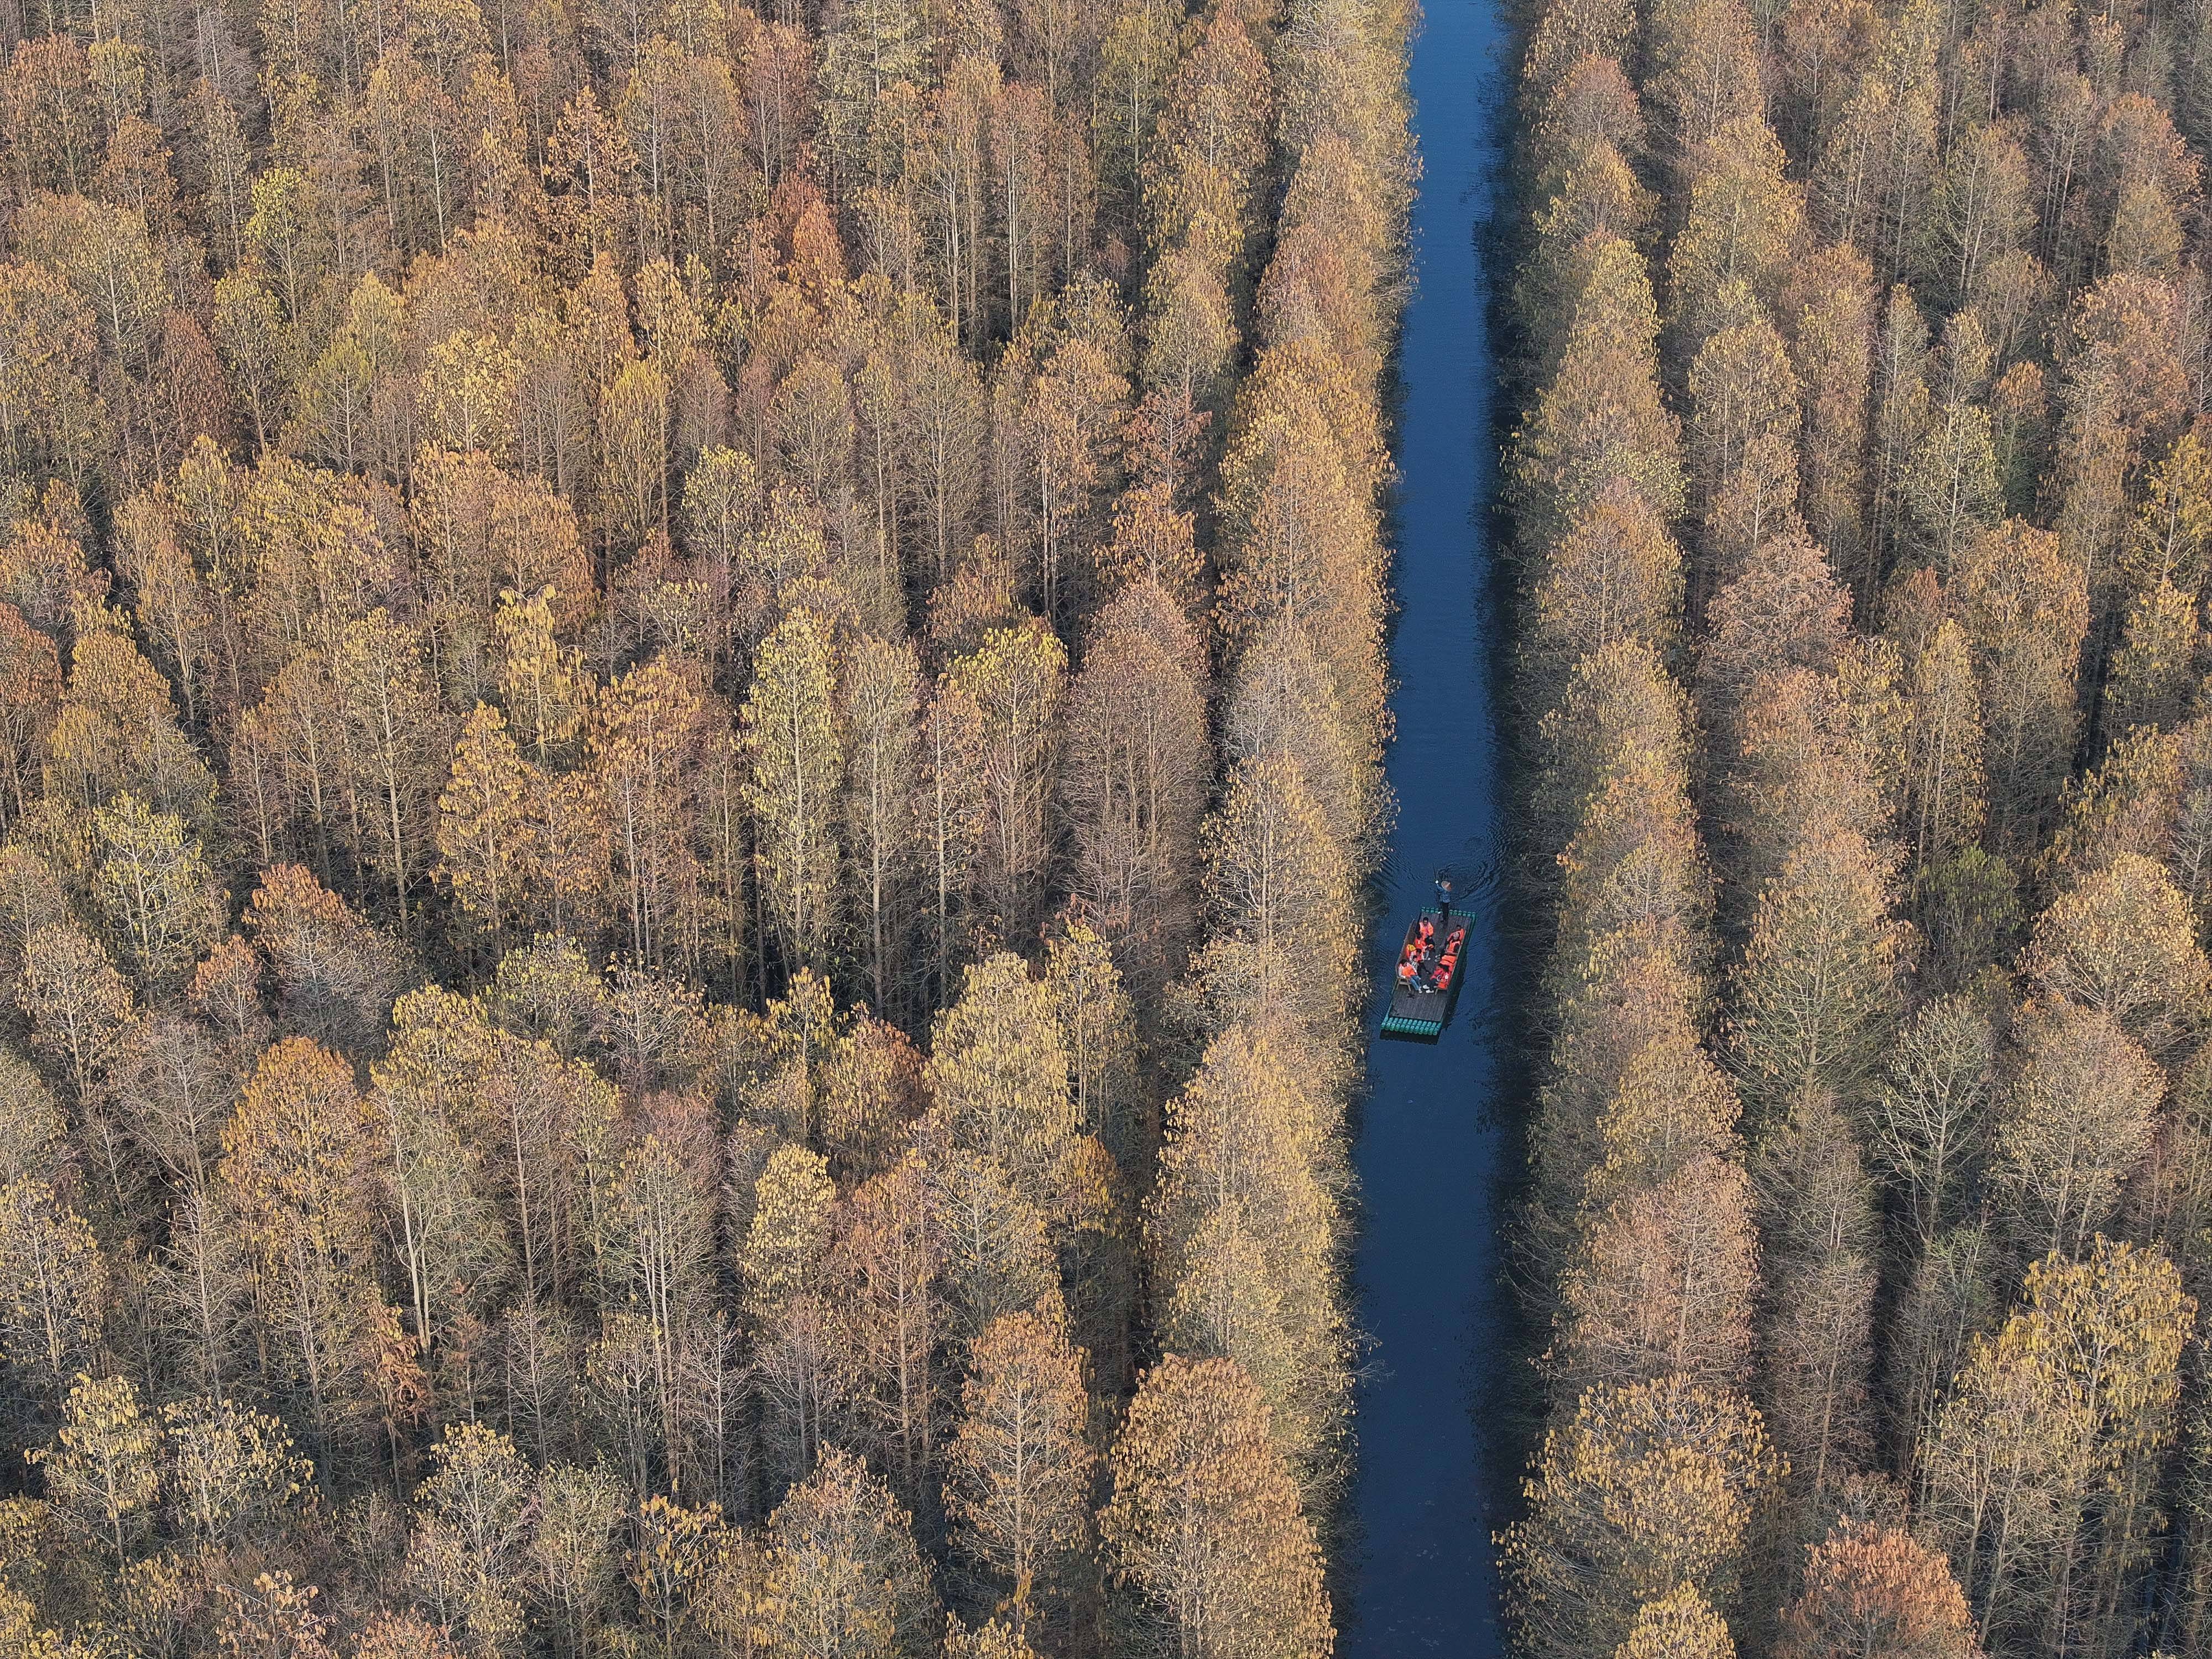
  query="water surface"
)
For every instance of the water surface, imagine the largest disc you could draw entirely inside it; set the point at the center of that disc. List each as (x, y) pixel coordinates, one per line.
(1434, 1466)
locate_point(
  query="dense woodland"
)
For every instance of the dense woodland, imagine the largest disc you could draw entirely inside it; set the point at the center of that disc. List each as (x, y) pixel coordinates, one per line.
(690, 705)
(1862, 514)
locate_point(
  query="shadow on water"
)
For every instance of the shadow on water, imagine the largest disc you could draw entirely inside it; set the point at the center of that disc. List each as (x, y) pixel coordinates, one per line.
(1439, 1414)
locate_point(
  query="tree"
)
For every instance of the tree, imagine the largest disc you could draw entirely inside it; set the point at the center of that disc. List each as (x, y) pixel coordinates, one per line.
(1784, 611)
(1828, 313)
(1244, 1221)
(482, 815)
(643, 742)
(1282, 707)
(2123, 944)
(2024, 610)
(471, 1525)
(673, 1565)
(944, 423)
(1680, 1625)
(542, 684)
(153, 884)
(1741, 436)
(853, 1583)
(201, 1290)
(1020, 1460)
(117, 729)
(229, 1471)
(1301, 542)
(336, 976)
(255, 341)
(790, 1231)
(995, 1640)
(30, 698)
(50, 418)
(1275, 882)
(1982, 204)
(889, 1263)
(1134, 772)
(1663, 1282)
(2124, 394)
(1931, 1113)
(2041, 1464)
(653, 1271)
(468, 393)
(633, 430)
(1204, 1526)
(2073, 1125)
(1618, 706)
(1817, 994)
(1602, 416)
(404, 1636)
(998, 1071)
(1944, 779)
(882, 687)
(272, 1618)
(868, 1096)
(1645, 1488)
(445, 1232)
(2151, 672)
(1705, 74)
(1616, 575)
(1820, 1236)
(1874, 1592)
(1015, 682)
(794, 735)
(1098, 1023)
(297, 1166)
(572, 1549)
(81, 1010)
(53, 1289)
(102, 1474)
(397, 742)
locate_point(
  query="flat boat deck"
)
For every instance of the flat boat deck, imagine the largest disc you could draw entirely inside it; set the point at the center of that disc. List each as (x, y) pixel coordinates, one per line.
(1420, 1007)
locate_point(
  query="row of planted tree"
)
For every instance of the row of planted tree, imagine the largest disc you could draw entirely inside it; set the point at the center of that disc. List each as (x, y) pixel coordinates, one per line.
(1864, 517)
(692, 707)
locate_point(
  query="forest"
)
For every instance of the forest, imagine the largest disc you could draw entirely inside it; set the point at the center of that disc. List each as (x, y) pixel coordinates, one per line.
(690, 714)
(1861, 498)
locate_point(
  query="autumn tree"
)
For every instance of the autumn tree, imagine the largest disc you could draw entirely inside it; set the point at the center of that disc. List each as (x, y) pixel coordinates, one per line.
(1645, 1488)
(1015, 683)
(1244, 1223)
(1875, 1589)
(1134, 769)
(2122, 945)
(1930, 1112)
(882, 689)
(102, 1474)
(1205, 1526)
(2039, 1467)
(54, 1294)
(852, 1580)
(2071, 1130)
(793, 733)
(297, 1166)
(390, 707)
(1817, 992)
(1021, 1460)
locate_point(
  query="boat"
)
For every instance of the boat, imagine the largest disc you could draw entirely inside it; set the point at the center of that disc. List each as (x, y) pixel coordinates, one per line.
(1425, 980)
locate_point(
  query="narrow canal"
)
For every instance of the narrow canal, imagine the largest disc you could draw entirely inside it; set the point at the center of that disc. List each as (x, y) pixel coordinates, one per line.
(1434, 1469)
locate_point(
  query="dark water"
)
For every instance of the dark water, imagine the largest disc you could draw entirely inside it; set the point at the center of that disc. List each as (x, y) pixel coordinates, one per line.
(1435, 1470)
